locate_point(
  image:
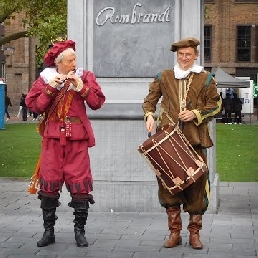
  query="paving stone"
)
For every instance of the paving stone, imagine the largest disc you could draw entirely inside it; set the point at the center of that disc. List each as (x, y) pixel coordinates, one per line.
(231, 233)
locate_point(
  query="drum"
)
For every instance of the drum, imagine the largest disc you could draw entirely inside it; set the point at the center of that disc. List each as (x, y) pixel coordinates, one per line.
(172, 158)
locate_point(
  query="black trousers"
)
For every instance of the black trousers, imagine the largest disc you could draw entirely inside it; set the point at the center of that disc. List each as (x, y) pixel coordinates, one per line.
(238, 117)
(228, 117)
(24, 113)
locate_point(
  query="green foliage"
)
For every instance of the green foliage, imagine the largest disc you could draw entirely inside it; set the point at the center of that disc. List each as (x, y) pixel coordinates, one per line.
(45, 20)
(206, 11)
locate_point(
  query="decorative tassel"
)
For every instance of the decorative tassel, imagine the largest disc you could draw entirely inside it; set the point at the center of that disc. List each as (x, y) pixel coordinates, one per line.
(34, 182)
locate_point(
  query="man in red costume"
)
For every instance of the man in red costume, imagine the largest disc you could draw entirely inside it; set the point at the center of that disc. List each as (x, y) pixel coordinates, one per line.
(60, 93)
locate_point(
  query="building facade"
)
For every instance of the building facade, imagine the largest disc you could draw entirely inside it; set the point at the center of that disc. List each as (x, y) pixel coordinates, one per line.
(2, 56)
(20, 67)
(231, 36)
(230, 42)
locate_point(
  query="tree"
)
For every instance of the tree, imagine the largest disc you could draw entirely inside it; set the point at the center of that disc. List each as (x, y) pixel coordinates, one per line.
(43, 19)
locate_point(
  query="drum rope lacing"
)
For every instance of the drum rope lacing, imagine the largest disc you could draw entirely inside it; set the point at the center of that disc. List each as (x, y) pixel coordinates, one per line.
(156, 144)
(199, 162)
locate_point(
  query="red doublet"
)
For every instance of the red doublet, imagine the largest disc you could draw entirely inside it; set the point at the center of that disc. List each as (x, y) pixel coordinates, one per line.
(67, 162)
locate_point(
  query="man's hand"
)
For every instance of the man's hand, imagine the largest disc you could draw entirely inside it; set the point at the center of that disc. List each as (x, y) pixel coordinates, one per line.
(186, 115)
(150, 123)
(57, 80)
(75, 80)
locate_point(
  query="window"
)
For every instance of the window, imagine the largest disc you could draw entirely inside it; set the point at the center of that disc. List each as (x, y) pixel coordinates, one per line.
(243, 44)
(207, 43)
(2, 72)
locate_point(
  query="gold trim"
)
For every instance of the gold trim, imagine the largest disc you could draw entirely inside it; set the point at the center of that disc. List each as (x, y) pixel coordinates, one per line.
(148, 114)
(85, 93)
(48, 92)
(198, 117)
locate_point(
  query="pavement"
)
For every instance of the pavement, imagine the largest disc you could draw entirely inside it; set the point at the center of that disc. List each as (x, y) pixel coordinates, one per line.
(231, 233)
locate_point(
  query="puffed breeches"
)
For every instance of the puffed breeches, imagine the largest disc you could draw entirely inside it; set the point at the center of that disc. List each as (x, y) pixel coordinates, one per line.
(193, 198)
(69, 164)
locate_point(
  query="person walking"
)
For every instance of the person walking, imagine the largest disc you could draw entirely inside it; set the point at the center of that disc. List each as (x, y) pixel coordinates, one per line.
(189, 94)
(7, 104)
(60, 93)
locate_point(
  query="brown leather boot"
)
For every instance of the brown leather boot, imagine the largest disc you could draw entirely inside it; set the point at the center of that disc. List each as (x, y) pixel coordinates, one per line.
(195, 224)
(175, 226)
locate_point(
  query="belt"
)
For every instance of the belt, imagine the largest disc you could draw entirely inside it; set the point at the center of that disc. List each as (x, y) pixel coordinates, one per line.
(72, 119)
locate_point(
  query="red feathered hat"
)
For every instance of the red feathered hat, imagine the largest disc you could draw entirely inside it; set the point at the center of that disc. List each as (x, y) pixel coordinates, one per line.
(57, 48)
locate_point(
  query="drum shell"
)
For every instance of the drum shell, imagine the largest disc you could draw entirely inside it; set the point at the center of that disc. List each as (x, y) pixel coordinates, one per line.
(172, 158)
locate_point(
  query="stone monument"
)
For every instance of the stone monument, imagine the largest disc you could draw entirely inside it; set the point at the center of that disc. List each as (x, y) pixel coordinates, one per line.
(126, 43)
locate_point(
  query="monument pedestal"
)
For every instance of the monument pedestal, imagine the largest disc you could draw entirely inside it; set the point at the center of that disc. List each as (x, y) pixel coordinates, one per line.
(123, 180)
(126, 44)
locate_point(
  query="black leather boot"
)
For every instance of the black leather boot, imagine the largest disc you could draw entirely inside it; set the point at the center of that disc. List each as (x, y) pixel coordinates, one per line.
(48, 206)
(81, 215)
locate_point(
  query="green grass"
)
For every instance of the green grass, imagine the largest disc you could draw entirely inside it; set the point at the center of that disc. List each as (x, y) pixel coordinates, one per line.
(237, 151)
(19, 150)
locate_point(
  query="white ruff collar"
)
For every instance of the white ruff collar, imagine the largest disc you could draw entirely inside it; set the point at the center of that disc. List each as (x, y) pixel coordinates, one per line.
(181, 74)
(49, 73)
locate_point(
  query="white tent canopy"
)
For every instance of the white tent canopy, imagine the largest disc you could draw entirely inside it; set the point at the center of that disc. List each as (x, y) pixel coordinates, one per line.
(225, 80)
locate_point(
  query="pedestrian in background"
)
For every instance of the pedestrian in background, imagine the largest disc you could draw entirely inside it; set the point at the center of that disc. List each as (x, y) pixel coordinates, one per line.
(20, 108)
(7, 105)
(237, 108)
(24, 108)
(227, 104)
(35, 116)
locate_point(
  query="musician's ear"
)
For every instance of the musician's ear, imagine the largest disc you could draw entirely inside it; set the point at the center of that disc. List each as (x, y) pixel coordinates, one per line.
(196, 54)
